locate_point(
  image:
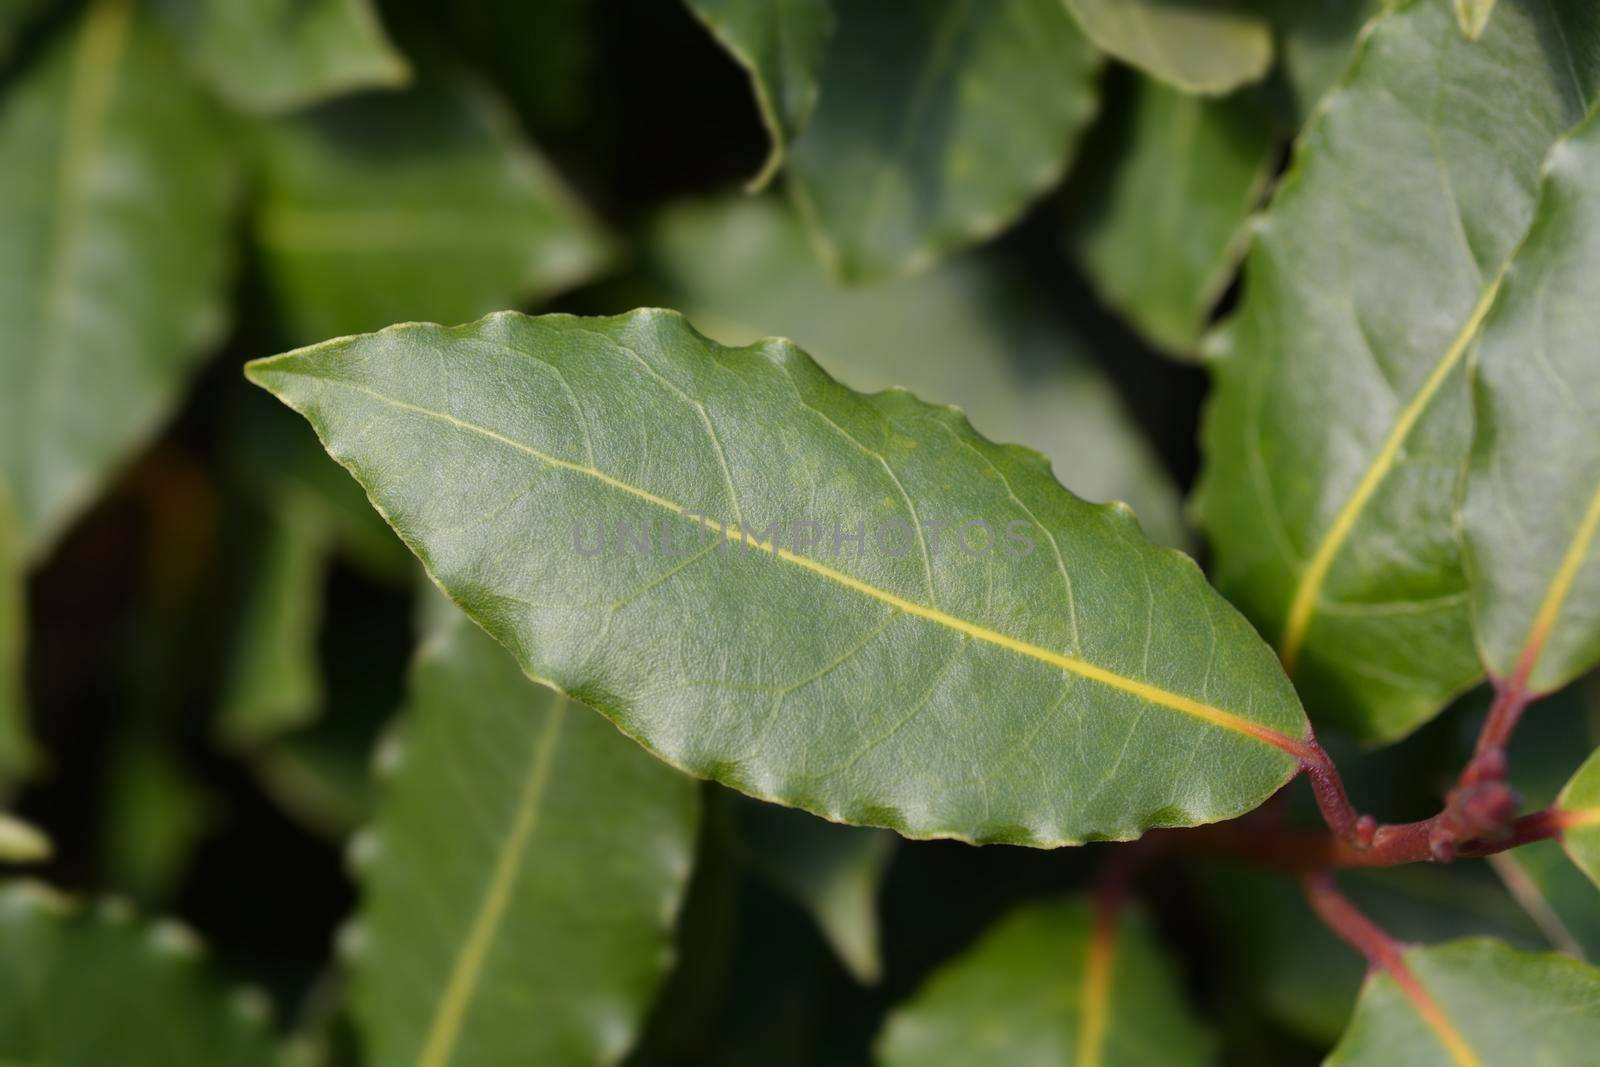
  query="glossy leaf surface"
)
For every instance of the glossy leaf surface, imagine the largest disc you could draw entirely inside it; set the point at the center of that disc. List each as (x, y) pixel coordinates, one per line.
(1160, 226)
(965, 333)
(114, 250)
(275, 55)
(1050, 984)
(782, 45)
(937, 125)
(425, 204)
(1341, 416)
(87, 987)
(1055, 679)
(526, 867)
(1195, 48)
(1489, 1005)
(1531, 506)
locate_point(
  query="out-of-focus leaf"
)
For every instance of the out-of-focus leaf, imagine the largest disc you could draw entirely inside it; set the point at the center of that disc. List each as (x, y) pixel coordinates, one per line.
(84, 987)
(1530, 508)
(728, 645)
(14, 15)
(280, 465)
(1488, 1005)
(1315, 41)
(274, 55)
(1474, 16)
(963, 334)
(528, 865)
(1052, 983)
(938, 124)
(1341, 416)
(1580, 802)
(16, 745)
(320, 777)
(781, 45)
(545, 57)
(114, 250)
(153, 815)
(274, 684)
(1160, 227)
(422, 205)
(1268, 933)
(831, 871)
(22, 842)
(1194, 47)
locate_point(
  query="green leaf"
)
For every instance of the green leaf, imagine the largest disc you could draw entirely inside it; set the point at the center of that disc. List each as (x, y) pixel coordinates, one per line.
(965, 333)
(1051, 983)
(1531, 503)
(1160, 228)
(277, 462)
(528, 865)
(1268, 933)
(938, 124)
(276, 55)
(152, 817)
(1476, 1003)
(273, 683)
(781, 44)
(22, 842)
(114, 246)
(1315, 40)
(82, 987)
(833, 872)
(1474, 16)
(1133, 697)
(1340, 418)
(1580, 801)
(1193, 47)
(418, 205)
(17, 755)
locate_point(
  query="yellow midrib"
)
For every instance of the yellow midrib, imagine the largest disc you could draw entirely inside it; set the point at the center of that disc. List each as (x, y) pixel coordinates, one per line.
(445, 1028)
(1303, 605)
(1152, 694)
(1095, 996)
(1560, 588)
(1461, 1053)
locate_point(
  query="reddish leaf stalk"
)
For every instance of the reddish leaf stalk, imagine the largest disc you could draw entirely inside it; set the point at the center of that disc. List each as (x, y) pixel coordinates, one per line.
(1385, 955)
(1300, 851)
(1477, 817)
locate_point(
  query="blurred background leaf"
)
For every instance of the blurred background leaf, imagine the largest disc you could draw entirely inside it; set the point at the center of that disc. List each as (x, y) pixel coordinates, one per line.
(526, 859)
(275, 55)
(938, 124)
(82, 986)
(425, 205)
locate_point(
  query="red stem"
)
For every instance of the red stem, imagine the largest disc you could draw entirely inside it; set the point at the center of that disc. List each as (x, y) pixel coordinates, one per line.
(1381, 951)
(1298, 851)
